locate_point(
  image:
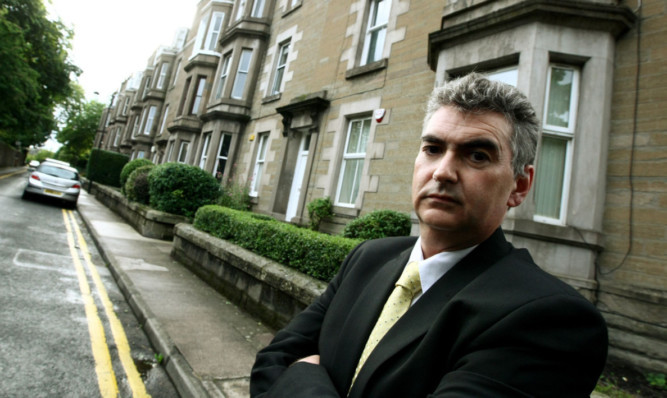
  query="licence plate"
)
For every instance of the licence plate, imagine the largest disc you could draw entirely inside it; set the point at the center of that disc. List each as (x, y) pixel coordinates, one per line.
(52, 192)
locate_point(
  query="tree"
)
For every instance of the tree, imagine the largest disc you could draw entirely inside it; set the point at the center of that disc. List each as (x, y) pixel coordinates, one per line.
(78, 134)
(35, 73)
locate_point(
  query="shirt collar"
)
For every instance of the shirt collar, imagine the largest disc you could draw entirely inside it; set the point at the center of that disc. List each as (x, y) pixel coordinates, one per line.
(436, 266)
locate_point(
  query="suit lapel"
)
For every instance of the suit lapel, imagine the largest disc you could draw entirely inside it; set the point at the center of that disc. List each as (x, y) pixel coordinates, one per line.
(421, 316)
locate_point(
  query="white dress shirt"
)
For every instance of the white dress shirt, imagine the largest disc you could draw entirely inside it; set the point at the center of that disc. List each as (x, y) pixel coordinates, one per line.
(434, 267)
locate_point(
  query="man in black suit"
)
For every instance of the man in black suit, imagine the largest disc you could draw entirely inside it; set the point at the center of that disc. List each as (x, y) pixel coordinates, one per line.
(485, 321)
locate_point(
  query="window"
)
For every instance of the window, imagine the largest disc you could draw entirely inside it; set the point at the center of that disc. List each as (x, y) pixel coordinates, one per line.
(149, 120)
(376, 31)
(554, 159)
(170, 151)
(137, 122)
(259, 164)
(280, 68)
(176, 70)
(116, 141)
(224, 72)
(184, 96)
(163, 76)
(258, 9)
(223, 154)
(201, 32)
(242, 74)
(204, 151)
(147, 85)
(353, 162)
(241, 9)
(126, 105)
(505, 75)
(164, 119)
(141, 154)
(214, 31)
(183, 152)
(199, 94)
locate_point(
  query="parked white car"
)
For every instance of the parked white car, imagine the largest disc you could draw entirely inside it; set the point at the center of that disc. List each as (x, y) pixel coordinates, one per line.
(54, 179)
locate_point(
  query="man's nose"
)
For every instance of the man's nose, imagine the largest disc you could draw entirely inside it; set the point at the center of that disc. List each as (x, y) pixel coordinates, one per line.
(446, 169)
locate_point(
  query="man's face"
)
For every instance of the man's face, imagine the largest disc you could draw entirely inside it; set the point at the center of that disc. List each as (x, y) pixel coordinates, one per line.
(463, 181)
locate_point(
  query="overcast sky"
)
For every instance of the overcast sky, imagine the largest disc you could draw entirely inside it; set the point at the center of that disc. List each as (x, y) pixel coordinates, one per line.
(114, 38)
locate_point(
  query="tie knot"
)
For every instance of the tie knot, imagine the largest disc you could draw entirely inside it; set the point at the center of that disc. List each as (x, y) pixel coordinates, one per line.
(410, 278)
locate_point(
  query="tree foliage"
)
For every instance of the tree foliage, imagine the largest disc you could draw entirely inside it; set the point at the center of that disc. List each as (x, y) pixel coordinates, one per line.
(35, 73)
(78, 134)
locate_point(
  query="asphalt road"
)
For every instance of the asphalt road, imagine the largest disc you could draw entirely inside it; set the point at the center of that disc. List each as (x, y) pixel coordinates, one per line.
(65, 328)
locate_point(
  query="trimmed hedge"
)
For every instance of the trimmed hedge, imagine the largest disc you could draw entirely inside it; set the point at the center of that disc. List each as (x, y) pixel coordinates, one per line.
(378, 224)
(129, 168)
(313, 253)
(104, 167)
(136, 187)
(181, 189)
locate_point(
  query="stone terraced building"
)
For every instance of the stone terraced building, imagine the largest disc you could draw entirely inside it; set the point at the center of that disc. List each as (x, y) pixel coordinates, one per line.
(307, 99)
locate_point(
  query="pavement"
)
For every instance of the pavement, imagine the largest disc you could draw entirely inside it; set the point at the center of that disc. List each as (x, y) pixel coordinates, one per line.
(208, 345)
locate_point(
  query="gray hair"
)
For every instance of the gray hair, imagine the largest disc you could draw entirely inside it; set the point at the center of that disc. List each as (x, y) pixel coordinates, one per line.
(474, 93)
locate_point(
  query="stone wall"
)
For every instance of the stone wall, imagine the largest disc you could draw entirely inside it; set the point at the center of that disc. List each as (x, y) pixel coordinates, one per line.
(150, 223)
(273, 292)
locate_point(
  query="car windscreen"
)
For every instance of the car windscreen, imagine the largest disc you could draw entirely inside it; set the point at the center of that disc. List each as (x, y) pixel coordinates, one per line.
(58, 172)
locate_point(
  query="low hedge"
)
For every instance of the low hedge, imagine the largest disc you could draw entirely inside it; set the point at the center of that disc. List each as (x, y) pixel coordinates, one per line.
(129, 168)
(136, 187)
(313, 253)
(104, 167)
(378, 224)
(181, 189)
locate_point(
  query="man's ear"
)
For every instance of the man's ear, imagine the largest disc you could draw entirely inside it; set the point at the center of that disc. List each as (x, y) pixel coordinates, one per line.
(522, 184)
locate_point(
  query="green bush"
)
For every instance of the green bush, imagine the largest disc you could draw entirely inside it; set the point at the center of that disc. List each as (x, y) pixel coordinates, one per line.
(318, 210)
(181, 189)
(313, 253)
(104, 167)
(129, 168)
(235, 195)
(136, 186)
(379, 224)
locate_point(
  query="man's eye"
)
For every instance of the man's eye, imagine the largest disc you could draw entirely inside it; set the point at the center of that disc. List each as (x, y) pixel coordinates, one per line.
(477, 156)
(431, 149)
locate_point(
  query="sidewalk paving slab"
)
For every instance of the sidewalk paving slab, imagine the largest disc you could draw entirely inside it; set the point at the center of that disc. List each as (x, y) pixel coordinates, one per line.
(208, 344)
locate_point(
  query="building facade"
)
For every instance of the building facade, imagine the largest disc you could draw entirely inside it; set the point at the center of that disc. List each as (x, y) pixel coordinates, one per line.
(302, 100)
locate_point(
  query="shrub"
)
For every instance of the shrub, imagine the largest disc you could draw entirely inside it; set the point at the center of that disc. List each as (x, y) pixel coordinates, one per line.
(313, 253)
(318, 210)
(129, 168)
(136, 186)
(104, 167)
(379, 224)
(235, 195)
(181, 189)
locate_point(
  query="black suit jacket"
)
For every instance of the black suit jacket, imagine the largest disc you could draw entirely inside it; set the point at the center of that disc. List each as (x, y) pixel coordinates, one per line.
(495, 325)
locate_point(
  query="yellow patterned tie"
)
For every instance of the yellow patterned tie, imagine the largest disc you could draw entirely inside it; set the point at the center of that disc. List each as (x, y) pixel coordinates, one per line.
(397, 304)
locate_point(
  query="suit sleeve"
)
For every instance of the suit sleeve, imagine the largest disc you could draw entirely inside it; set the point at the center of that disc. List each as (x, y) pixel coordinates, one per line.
(274, 367)
(551, 347)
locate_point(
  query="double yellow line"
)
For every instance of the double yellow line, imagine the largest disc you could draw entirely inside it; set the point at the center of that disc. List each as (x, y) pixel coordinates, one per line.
(105, 374)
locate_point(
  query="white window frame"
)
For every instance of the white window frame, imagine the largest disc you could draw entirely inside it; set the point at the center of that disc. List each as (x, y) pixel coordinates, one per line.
(223, 138)
(224, 74)
(170, 152)
(260, 161)
(126, 105)
(353, 156)
(214, 29)
(281, 68)
(183, 152)
(164, 119)
(374, 27)
(561, 133)
(176, 70)
(241, 9)
(204, 150)
(163, 76)
(149, 120)
(242, 73)
(199, 95)
(258, 9)
(116, 140)
(147, 86)
(201, 33)
(137, 123)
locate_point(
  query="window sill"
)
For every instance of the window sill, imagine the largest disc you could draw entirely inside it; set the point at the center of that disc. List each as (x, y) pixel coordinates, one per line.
(292, 9)
(347, 212)
(546, 232)
(271, 98)
(365, 69)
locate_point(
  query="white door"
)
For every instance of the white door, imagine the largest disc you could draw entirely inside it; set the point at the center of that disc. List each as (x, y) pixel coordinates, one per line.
(297, 181)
